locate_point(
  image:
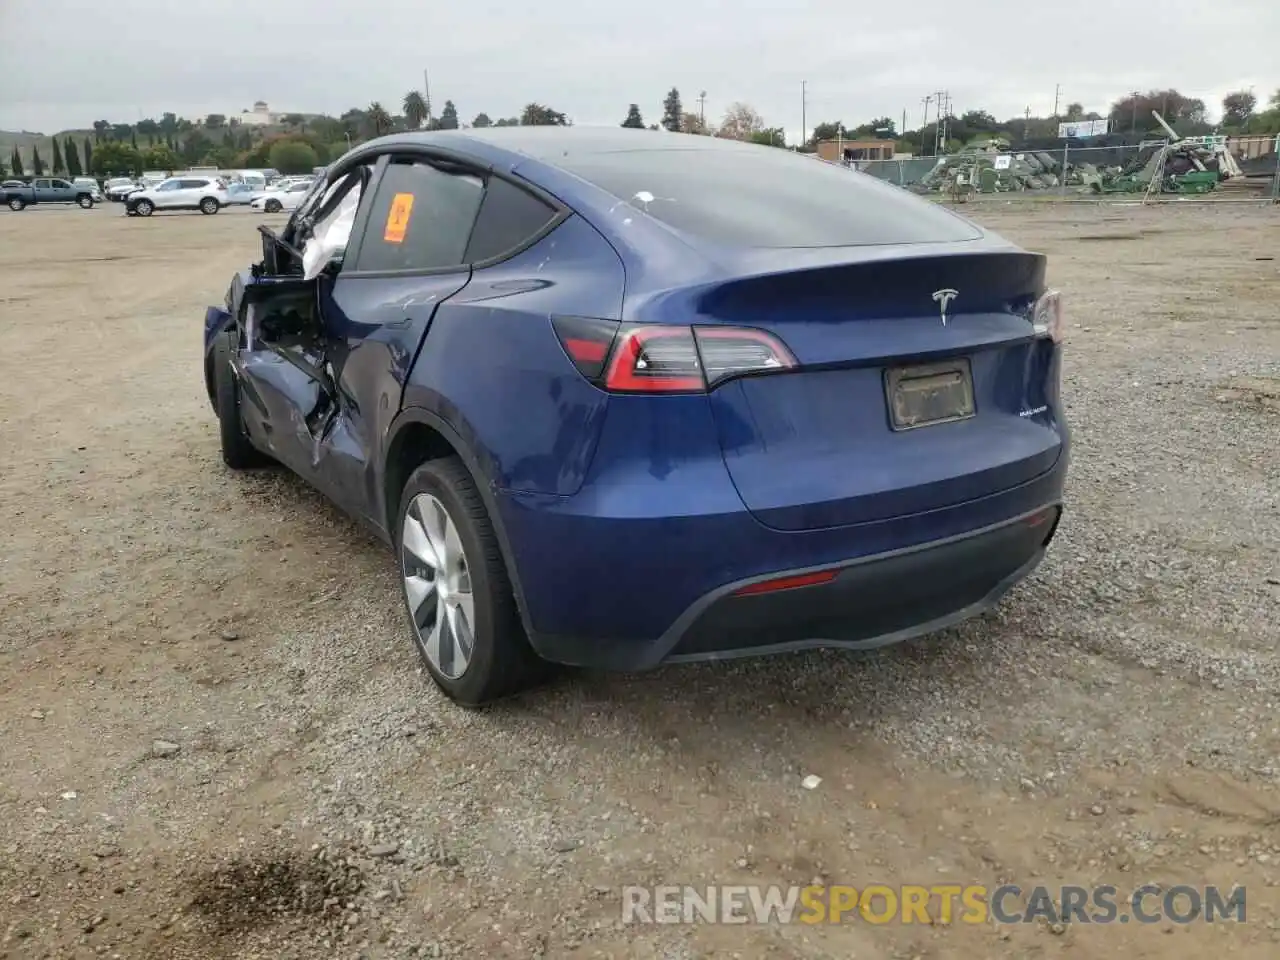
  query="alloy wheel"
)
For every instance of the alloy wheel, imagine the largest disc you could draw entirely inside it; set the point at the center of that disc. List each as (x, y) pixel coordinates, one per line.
(437, 586)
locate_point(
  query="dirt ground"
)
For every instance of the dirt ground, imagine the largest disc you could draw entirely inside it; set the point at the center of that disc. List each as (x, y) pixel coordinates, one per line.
(217, 742)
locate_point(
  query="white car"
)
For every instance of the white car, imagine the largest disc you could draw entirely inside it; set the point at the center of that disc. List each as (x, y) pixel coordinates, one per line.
(120, 187)
(202, 192)
(273, 201)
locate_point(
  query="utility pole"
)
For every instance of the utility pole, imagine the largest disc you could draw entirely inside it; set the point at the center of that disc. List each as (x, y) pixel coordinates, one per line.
(804, 111)
(702, 111)
(937, 124)
(1057, 91)
(426, 95)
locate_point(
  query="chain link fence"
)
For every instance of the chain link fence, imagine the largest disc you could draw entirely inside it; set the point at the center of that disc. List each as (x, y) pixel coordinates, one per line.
(1077, 170)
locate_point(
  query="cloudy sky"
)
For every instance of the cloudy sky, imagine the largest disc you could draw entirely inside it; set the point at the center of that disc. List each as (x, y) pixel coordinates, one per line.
(66, 63)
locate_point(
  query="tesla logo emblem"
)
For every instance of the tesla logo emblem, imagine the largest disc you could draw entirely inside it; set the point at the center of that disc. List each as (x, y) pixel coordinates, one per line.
(943, 299)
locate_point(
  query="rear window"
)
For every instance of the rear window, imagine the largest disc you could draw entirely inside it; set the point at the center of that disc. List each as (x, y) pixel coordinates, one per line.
(765, 197)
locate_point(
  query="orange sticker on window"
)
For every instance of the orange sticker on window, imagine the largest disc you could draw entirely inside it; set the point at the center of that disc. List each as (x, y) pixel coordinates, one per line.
(398, 218)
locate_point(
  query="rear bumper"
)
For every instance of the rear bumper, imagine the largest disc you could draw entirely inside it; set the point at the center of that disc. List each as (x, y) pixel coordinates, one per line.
(860, 604)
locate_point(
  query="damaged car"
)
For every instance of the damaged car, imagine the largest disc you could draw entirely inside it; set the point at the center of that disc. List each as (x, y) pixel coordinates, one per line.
(616, 399)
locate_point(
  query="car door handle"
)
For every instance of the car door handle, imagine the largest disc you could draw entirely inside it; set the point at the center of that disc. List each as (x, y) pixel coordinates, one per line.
(397, 324)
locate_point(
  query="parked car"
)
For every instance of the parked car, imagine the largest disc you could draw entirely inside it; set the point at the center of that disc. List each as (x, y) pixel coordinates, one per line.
(191, 192)
(90, 184)
(239, 194)
(273, 201)
(117, 188)
(45, 190)
(616, 402)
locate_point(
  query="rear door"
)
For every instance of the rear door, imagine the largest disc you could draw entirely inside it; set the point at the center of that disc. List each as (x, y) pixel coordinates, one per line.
(42, 190)
(409, 259)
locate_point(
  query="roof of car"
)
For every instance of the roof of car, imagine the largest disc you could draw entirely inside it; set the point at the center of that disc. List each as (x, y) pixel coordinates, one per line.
(548, 143)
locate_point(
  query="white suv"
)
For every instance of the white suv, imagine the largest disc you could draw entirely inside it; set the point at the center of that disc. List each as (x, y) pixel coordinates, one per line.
(191, 191)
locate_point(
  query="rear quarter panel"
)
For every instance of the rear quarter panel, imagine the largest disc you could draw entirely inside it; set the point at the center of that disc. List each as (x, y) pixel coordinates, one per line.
(492, 368)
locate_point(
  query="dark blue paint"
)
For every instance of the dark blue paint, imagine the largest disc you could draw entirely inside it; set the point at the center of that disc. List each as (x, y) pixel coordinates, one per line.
(493, 368)
(617, 513)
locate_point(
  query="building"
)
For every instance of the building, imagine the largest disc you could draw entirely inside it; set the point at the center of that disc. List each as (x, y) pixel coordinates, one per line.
(837, 151)
(259, 116)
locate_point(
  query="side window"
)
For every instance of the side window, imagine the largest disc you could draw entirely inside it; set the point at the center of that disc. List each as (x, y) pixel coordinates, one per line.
(42, 184)
(170, 185)
(420, 218)
(61, 184)
(508, 217)
(194, 184)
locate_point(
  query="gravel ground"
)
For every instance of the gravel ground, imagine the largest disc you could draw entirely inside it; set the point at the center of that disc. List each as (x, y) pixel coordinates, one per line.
(218, 743)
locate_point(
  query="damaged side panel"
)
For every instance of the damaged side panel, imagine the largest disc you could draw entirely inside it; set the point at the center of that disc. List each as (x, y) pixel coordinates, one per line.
(287, 393)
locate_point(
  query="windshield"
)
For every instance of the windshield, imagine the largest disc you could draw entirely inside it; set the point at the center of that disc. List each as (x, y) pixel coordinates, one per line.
(762, 196)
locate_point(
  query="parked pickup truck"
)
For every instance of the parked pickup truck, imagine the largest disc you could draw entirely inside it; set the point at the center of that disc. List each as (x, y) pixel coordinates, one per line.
(46, 190)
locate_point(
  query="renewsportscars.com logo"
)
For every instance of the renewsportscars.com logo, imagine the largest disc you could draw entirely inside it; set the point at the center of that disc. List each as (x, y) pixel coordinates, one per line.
(936, 904)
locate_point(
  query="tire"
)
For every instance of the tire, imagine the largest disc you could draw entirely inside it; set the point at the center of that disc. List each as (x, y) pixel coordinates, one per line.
(237, 452)
(144, 208)
(500, 662)
(273, 206)
(209, 206)
(85, 201)
(16, 204)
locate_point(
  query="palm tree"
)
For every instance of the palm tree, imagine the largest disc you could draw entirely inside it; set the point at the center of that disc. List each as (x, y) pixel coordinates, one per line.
(415, 109)
(378, 118)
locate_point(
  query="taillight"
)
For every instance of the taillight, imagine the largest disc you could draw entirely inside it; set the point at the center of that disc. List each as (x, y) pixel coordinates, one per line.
(667, 359)
(1046, 317)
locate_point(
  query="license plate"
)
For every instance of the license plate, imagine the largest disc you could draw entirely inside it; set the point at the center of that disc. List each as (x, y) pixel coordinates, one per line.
(932, 393)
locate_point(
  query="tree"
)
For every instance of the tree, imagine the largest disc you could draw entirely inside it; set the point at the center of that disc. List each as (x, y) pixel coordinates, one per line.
(1075, 112)
(415, 109)
(538, 115)
(295, 121)
(168, 123)
(294, 156)
(672, 111)
(449, 116)
(159, 158)
(15, 162)
(634, 121)
(88, 155)
(121, 131)
(114, 159)
(740, 122)
(692, 123)
(772, 137)
(133, 140)
(830, 131)
(58, 165)
(378, 119)
(214, 121)
(150, 128)
(1238, 107)
(72, 156)
(37, 165)
(508, 122)
(482, 120)
(979, 121)
(1133, 112)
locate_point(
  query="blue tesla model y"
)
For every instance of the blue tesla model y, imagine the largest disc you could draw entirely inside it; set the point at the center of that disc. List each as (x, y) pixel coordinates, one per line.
(619, 398)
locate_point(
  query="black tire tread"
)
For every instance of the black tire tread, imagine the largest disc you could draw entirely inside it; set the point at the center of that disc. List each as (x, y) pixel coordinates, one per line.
(237, 452)
(512, 666)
